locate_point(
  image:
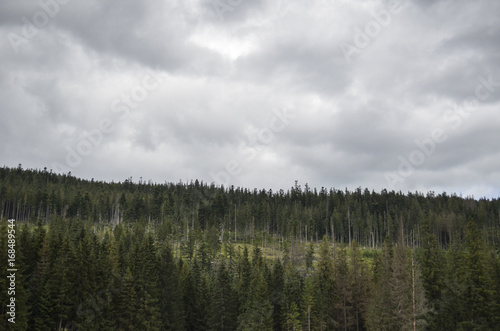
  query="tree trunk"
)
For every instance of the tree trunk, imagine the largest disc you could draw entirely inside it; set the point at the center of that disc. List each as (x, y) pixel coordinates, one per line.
(413, 292)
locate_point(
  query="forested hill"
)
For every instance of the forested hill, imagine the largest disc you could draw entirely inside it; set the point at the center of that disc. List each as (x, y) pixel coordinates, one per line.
(90, 255)
(299, 212)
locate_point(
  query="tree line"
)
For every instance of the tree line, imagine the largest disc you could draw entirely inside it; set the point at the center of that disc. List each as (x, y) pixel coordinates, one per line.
(128, 256)
(300, 213)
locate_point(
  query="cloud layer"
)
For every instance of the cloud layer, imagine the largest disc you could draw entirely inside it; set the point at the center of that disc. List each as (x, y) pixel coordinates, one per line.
(381, 94)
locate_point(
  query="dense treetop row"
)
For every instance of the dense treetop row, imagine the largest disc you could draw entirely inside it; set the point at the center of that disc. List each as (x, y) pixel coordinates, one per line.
(300, 212)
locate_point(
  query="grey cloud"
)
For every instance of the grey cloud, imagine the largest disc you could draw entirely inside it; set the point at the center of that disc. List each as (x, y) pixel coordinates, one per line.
(224, 79)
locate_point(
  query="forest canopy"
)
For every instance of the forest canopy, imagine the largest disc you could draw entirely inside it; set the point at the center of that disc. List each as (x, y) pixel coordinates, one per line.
(196, 256)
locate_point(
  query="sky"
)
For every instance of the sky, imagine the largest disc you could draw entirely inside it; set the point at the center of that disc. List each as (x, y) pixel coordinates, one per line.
(398, 95)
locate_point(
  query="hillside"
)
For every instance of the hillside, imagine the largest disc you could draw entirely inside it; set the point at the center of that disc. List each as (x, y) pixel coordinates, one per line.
(193, 256)
(299, 212)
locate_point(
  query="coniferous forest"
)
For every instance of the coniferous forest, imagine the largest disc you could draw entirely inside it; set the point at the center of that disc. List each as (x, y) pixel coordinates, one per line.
(137, 255)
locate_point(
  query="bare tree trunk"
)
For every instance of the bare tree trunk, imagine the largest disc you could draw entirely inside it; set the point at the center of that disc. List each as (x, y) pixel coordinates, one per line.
(309, 318)
(349, 228)
(413, 292)
(333, 232)
(345, 316)
(357, 319)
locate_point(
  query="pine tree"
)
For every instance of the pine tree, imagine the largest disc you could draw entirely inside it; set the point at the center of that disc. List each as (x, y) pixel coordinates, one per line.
(194, 298)
(432, 273)
(479, 286)
(146, 276)
(223, 307)
(125, 304)
(310, 256)
(292, 292)
(244, 278)
(276, 287)
(453, 306)
(360, 284)
(293, 318)
(257, 312)
(343, 307)
(170, 291)
(41, 302)
(308, 302)
(401, 289)
(326, 297)
(380, 308)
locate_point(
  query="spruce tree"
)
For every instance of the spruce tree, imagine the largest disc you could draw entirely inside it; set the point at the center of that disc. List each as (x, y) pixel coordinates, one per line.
(293, 318)
(147, 276)
(479, 288)
(380, 309)
(276, 287)
(344, 310)
(194, 298)
(360, 283)
(326, 293)
(257, 314)
(308, 302)
(292, 291)
(223, 303)
(432, 271)
(170, 290)
(125, 304)
(401, 287)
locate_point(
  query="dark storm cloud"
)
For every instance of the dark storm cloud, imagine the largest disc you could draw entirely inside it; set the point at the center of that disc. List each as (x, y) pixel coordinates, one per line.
(188, 89)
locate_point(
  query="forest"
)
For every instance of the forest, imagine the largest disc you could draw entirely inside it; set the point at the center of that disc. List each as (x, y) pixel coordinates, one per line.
(139, 255)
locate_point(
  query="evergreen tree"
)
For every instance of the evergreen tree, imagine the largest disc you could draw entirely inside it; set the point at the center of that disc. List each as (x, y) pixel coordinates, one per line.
(257, 314)
(293, 318)
(310, 256)
(380, 308)
(41, 305)
(432, 272)
(223, 307)
(308, 302)
(453, 304)
(170, 291)
(292, 291)
(326, 297)
(146, 276)
(360, 284)
(481, 308)
(276, 287)
(125, 304)
(401, 289)
(344, 310)
(194, 298)
(244, 278)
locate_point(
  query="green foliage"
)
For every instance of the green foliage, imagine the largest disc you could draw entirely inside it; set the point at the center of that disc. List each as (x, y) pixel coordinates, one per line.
(326, 291)
(142, 256)
(257, 311)
(223, 302)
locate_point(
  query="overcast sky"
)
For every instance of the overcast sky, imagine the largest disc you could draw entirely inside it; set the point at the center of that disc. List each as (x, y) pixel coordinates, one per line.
(401, 95)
